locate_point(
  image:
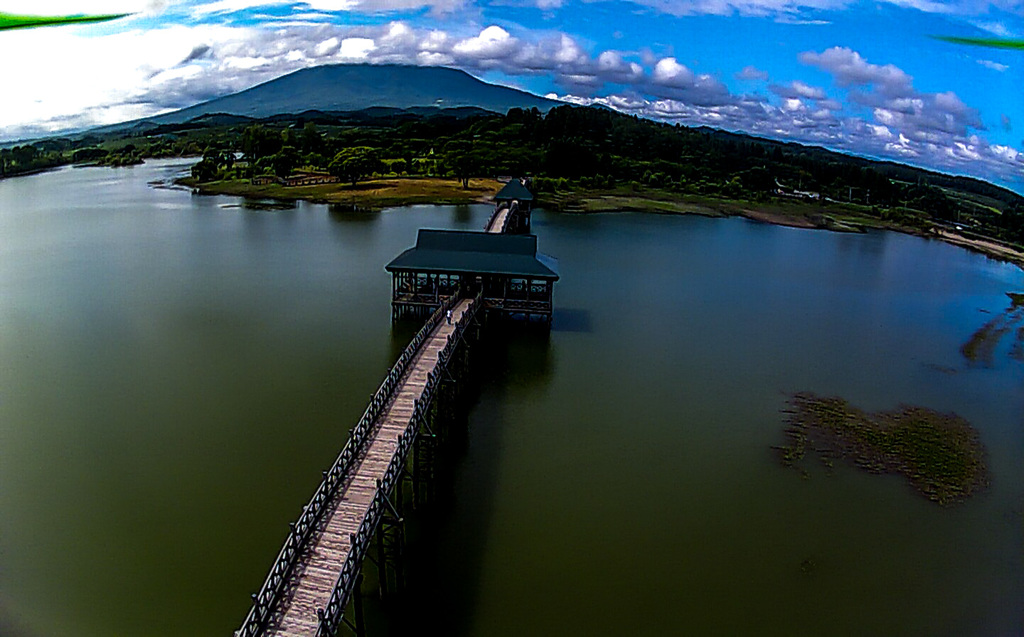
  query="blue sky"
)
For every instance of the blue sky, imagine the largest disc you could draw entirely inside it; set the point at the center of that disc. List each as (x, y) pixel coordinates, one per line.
(861, 77)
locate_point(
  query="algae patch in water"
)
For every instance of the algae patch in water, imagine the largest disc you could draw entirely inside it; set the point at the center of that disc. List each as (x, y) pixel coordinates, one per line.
(940, 454)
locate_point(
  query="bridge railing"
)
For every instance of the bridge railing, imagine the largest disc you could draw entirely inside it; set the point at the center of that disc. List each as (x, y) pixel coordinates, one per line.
(497, 211)
(507, 218)
(301, 531)
(331, 616)
(513, 208)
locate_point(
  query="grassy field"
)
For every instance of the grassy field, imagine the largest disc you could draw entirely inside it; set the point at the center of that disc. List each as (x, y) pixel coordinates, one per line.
(372, 195)
(795, 212)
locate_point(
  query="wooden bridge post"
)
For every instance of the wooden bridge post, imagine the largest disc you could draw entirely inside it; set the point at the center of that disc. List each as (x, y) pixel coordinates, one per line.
(357, 603)
(382, 567)
(424, 458)
(415, 471)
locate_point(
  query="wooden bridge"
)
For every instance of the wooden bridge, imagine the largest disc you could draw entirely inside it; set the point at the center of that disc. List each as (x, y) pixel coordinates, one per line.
(512, 209)
(317, 571)
(358, 503)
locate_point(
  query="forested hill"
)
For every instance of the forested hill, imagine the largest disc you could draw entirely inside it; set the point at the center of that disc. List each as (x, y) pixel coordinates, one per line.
(568, 148)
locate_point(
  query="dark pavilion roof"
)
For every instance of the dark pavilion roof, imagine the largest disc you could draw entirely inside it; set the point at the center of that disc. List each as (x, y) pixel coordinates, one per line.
(461, 252)
(514, 190)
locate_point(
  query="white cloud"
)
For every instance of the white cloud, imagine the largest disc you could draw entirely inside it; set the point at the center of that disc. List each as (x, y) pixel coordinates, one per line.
(386, 6)
(928, 121)
(491, 43)
(799, 89)
(176, 66)
(850, 69)
(568, 51)
(739, 7)
(613, 68)
(751, 73)
(327, 47)
(668, 72)
(795, 11)
(356, 48)
(995, 28)
(229, 6)
(51, 85)
(203, 8)
(995, 66)
(792, 105)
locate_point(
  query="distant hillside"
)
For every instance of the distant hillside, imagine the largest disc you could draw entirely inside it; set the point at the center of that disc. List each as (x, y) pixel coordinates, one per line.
(355, 87)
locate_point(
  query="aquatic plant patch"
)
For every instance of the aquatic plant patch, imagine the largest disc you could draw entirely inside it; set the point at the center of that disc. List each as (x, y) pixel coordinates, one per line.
(941, 455)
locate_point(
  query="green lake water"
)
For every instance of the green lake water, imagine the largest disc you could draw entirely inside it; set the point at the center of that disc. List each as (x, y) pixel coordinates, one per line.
(176, 371)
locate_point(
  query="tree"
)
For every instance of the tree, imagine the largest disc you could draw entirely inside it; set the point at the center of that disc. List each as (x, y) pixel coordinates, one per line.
(461, 161)
(310, 140)
(758, 179)
(258, 142)
(285, 161)
(204, 170)
(355, 163)
(399, 166)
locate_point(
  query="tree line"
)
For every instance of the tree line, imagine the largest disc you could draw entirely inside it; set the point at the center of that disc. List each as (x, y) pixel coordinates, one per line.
(567, 149)
(572, 148)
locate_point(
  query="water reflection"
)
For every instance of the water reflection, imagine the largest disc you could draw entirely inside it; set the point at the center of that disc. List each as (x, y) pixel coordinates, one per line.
(267, 204)
(574, 320)
(218, 358)
(462, 215)
(345, 213)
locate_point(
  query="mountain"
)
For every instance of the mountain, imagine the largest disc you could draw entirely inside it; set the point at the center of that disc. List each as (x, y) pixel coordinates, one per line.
(355, 87)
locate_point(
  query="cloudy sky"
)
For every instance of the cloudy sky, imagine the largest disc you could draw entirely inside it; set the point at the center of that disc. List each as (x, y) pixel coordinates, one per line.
(854, 75)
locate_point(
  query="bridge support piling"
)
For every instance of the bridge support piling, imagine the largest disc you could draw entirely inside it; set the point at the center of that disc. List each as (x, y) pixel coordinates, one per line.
(415, 472)
(382, 568)
(424, 459)
(357, 625)
(392, 543)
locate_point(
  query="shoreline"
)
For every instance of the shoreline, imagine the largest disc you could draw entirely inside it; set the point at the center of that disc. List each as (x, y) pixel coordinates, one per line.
(368, 195)
(405, 191)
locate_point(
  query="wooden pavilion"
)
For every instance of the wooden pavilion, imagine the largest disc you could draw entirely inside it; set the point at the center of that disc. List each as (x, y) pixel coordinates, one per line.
(516, 279)
(514, 190)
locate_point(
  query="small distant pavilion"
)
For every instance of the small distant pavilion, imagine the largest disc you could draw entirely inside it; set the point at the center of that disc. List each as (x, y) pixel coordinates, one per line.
(514, 190)
(516, 279)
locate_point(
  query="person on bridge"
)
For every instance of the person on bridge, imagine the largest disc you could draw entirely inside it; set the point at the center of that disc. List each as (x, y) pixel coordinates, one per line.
(449, 316)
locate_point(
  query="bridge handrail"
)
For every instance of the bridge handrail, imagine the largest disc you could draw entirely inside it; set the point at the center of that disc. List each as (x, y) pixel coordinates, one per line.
(513, 208)
(497, 210)
(331, 616)
(265, 600)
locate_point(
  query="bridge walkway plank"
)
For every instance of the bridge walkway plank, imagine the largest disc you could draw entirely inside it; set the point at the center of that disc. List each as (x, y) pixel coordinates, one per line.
(314, 576)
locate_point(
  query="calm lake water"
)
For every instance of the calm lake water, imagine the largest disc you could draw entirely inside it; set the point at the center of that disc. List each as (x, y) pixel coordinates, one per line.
(176, 370)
